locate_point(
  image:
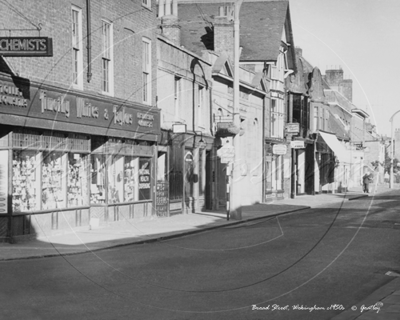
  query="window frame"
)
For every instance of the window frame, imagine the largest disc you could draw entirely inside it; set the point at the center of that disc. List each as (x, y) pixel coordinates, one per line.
(146, 71)
(76, 47)
(107, 58)
(146, 3)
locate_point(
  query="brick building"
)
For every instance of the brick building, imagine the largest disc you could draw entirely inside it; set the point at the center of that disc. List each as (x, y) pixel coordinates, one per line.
(79, 127)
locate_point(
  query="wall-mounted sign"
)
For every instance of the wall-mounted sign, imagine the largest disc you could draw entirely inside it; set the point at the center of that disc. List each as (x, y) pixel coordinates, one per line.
(297, 144)
(293, 127)
(226, 153)
(162, 198)
(26, 46)
(279, 149)
(179, 128)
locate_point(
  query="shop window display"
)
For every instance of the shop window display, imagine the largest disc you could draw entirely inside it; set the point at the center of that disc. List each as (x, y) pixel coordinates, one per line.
(53, 177)
(116, 179)
(131, 179)
(98, 180)
(25, 181)
(77, 180)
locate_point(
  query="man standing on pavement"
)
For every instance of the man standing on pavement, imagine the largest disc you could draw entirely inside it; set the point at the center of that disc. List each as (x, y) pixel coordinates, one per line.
(366, 181)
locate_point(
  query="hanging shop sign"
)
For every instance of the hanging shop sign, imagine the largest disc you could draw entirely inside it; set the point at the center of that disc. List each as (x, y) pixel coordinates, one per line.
(26, 46)
(297, 144)
(279, 149)
(292, 127)
(35, 103)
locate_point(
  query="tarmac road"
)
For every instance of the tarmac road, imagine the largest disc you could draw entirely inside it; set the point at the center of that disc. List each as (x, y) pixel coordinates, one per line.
(326, 258)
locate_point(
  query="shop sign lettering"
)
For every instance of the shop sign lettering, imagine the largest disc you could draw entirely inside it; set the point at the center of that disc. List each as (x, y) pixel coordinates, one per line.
(145, 120)
(58, 105)
(86, 109)
(26, 46)
(122, 117)
(12, 96)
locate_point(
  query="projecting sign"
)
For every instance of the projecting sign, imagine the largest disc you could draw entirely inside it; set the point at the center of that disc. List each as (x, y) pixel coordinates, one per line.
(26, 46)
(297, 144)
(293, 127)
(279, 149)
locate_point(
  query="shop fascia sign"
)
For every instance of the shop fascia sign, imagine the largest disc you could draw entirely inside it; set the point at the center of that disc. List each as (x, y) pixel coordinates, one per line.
(279, 149)
(22, 99)
(26, 46)
(297, 144)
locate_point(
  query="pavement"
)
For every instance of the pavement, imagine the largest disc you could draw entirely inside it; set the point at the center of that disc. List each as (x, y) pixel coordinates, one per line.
(382, 304)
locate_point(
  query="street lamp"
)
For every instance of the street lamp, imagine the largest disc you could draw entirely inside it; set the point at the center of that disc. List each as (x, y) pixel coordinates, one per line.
(391, 149)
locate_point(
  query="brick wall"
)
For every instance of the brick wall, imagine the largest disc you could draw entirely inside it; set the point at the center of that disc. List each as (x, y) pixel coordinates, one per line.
(131, 21)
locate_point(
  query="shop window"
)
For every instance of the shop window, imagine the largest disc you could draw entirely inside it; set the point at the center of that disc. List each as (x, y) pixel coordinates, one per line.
(144, 175)
(162, 167)
(116, 179)
(53, 180)
(77, 180)
(107, 58)
(277, 173)
(26, 181)
(77, 54)
(146, 68)
(98, 180)
(131, 179)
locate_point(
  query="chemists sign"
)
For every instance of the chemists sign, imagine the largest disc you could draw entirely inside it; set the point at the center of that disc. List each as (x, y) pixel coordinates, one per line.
(26, 47)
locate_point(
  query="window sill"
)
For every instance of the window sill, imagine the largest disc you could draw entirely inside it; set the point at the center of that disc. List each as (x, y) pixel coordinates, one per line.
(147, 7)
(105, 93)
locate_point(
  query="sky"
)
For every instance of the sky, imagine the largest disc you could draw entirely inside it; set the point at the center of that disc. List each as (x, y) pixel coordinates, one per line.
(363, 38)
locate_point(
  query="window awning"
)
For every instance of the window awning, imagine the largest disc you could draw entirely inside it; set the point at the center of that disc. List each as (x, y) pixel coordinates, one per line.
(342, 154)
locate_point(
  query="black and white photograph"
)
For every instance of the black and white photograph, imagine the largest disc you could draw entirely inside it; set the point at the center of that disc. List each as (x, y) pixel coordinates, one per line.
(199, 159)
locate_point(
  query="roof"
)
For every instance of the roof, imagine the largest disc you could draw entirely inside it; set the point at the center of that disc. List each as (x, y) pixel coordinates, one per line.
(337, 127)
(336, 98)
(261, 27)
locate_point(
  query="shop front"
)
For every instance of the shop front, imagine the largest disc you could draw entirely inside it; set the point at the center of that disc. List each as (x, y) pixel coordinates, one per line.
(71, 159)
(277, 170)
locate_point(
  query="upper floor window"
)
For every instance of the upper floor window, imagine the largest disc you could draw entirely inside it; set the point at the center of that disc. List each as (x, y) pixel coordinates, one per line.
(315, 127)
(107, 58)
(146, 67)
(277, 118)
(177, 94)
(200, 106)
(146, 3)
(77, 55)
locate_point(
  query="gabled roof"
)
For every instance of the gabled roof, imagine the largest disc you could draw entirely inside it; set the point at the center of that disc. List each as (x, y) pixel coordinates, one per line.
(261, 26)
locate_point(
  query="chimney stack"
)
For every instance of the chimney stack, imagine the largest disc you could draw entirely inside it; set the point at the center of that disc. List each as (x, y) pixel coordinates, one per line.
(168, 14)
(223, 31)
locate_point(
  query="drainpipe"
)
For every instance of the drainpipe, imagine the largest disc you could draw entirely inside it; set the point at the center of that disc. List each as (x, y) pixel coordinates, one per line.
(234, 207)
(89, 41)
